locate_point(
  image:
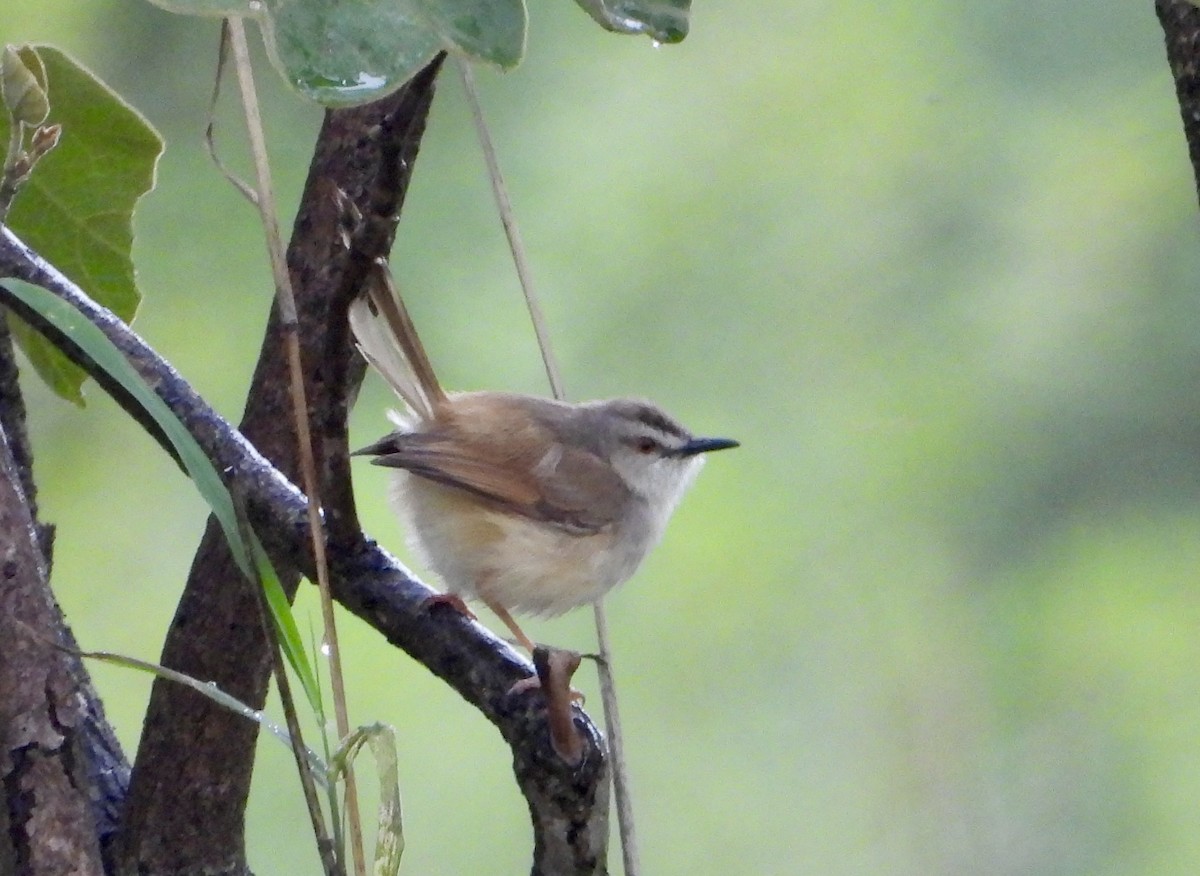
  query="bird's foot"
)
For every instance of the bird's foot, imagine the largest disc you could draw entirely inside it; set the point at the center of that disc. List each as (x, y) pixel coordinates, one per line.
(453, 600)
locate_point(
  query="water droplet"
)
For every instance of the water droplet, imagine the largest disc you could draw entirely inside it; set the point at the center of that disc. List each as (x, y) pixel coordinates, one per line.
(360, 88)
(325, 649)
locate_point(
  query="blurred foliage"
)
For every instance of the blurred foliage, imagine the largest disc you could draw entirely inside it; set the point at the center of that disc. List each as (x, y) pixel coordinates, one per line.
(935, 265)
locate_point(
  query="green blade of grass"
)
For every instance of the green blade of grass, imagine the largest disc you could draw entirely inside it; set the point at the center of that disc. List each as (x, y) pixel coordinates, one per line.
(249, 555)
(211, 691)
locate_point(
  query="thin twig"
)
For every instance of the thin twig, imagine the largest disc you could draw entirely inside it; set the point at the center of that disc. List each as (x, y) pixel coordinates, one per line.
(329, 851)
(9, 178)
(287, 310)
(509, 221)
(608, 687)
(210, 144)
(616, 746)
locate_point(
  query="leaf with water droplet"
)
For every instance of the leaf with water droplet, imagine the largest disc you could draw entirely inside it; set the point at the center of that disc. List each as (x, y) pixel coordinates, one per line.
(342, 54)
(664, 21)
(348, 53)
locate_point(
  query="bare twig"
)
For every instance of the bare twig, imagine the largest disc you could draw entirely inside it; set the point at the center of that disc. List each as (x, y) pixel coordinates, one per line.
(555, 667)
(509, 220)
(210, 142)
(327, 849)
(616, 743)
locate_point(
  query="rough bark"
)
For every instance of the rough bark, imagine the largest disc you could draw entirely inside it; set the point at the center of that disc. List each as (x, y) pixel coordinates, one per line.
(26, 600)
(48, 825)
(1180, 22)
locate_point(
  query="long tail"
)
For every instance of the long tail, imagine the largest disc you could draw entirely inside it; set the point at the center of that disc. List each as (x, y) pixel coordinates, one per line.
(388, 340)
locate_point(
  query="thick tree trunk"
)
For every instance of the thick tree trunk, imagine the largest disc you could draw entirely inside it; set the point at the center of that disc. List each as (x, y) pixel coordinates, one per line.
(47, 824)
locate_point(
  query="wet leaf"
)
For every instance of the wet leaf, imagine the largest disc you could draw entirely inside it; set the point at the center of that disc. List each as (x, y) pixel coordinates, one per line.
(664, 21)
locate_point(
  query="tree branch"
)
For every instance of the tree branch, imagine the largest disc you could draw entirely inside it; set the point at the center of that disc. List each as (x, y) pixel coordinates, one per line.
(193, 818)
(568, 805)
(46, 812)
(28, 596)
(1180, 22)
(190, 818)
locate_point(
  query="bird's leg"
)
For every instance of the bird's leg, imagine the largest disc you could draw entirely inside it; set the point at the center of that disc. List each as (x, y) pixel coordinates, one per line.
(507, 619)
(534, 681)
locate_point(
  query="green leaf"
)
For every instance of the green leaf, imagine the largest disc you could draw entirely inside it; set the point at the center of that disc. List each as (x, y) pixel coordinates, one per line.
(76, 209)
(486, 30)
(664, 21)
(285, 625)
(335, 53)
(246, 551)
(342, 54)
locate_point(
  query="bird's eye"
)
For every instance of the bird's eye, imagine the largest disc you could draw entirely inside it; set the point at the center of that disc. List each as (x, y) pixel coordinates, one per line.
(646, 445)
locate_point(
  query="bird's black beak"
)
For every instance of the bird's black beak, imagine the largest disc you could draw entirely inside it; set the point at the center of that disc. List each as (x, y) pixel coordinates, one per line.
(705, 445)
(385, 445)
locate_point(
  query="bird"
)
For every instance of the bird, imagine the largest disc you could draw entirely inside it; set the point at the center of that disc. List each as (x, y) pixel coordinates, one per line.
(530, 505)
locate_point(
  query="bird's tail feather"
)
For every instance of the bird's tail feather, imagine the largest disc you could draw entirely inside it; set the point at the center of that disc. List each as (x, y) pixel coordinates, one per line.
(387, 339)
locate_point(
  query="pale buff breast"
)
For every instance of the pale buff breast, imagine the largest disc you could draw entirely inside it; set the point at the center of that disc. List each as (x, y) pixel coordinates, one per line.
(523, 566)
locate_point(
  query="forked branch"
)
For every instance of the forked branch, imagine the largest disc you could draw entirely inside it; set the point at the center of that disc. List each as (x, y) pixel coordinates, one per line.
(568, 804)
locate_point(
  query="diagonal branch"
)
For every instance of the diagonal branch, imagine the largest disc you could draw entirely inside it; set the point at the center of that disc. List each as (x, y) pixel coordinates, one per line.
(568, 805)
(1180, 20)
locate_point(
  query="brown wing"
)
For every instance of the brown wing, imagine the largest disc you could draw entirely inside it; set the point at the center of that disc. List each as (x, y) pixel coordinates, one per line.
(520, 469)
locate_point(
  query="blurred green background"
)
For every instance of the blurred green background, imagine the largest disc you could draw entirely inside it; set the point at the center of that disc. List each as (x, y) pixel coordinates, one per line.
(935, 265)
